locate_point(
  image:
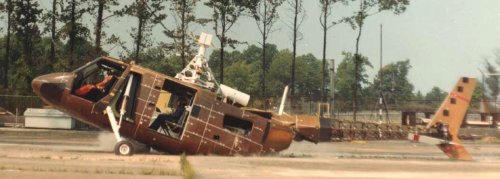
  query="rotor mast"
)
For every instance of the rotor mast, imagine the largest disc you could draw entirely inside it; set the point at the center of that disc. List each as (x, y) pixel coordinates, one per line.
(197, 70)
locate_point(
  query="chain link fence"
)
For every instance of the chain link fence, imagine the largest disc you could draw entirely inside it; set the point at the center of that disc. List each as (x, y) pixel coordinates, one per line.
(19, 103)
(368, 108)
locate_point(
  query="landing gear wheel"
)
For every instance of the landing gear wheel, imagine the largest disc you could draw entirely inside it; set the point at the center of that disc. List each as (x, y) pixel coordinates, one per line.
(124, 148)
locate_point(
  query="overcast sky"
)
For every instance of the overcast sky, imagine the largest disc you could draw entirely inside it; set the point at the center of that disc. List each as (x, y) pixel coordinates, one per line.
(443, 39)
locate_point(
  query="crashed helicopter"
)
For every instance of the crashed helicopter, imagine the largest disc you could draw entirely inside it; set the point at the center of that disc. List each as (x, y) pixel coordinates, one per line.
(130, 98)
(188, 113)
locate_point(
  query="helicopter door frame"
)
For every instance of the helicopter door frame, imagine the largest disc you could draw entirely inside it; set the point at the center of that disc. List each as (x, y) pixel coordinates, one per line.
(175, 90)
(124, 105)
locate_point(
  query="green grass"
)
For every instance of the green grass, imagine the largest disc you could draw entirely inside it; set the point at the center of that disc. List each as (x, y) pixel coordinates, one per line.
(45, 157)
(98, 171)
(82, 171)
(147, 171)
(124, 171)
(186, 168)
(158, 171)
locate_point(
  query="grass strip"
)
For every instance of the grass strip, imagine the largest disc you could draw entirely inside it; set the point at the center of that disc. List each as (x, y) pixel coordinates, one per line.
(186, 168)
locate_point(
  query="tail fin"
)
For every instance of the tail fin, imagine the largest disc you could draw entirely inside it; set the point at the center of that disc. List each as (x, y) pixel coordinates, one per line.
(449, 118)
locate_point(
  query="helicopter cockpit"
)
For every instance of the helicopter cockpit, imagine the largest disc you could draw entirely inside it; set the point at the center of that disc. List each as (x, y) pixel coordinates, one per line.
(95, 80)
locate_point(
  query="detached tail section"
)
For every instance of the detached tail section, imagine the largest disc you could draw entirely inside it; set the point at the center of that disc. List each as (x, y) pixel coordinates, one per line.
(448, 119)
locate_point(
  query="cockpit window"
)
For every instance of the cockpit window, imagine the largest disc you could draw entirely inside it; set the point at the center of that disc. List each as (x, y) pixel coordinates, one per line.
(95, 80)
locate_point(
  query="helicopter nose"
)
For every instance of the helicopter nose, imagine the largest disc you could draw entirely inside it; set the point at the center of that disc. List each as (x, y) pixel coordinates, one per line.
(37, 83)
(50, 87)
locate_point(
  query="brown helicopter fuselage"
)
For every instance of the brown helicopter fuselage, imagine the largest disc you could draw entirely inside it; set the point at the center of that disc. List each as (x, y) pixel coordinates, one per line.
(206, 129)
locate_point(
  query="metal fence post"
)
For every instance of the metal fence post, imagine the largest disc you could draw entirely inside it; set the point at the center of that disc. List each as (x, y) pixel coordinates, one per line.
(17, 114)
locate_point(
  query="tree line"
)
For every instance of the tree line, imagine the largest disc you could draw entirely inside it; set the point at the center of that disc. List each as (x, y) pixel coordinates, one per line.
(43, 40)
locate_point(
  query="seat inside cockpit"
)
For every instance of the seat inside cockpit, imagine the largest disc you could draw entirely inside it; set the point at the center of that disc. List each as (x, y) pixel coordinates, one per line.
(172, 109)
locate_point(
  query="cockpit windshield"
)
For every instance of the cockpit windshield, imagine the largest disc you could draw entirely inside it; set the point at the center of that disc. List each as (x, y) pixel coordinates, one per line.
(95, 80)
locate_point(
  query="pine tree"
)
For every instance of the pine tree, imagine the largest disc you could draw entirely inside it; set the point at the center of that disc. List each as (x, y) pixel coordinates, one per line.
(26, 16)
(225, 15)
(184, 16)
(148, 13)
(266, 15)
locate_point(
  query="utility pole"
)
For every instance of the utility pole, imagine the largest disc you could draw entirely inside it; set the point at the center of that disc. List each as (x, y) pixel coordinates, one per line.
(382, 105)
(380, 101)
(332, 88)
